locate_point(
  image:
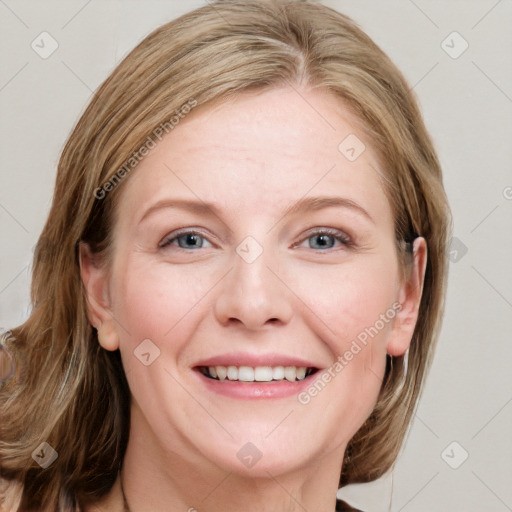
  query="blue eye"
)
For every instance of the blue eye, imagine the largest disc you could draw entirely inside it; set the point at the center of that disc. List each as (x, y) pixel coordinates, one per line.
(326, 239)
(187, 240)
(322, 239)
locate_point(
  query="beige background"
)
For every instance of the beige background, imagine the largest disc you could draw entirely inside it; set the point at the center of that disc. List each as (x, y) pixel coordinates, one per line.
(467, 103)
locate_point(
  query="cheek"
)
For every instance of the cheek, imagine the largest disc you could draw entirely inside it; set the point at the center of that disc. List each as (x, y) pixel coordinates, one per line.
(358, 304)
(352, 299)
(156, 301)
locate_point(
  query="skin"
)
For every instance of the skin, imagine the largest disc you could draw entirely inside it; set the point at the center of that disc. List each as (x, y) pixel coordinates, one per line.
(253, 157)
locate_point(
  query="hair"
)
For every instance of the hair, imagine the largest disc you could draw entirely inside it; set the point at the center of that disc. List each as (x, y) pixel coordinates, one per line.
(71, 393)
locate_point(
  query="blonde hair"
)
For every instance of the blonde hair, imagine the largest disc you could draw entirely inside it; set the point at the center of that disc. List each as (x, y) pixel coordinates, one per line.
(72, 394)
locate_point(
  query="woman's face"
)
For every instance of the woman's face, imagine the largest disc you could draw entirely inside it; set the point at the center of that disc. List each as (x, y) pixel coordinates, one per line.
(255, 240)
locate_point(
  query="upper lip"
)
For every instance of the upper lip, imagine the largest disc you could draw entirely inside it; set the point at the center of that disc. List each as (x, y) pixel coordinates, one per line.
(254, 360)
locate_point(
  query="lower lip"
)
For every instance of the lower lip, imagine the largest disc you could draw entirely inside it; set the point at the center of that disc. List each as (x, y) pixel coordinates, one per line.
(252, 390)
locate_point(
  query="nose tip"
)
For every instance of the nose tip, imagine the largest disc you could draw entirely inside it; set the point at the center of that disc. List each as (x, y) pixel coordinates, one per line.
(252, 296)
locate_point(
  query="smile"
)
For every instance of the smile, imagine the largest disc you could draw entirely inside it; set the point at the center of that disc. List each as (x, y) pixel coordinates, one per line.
(257, 374)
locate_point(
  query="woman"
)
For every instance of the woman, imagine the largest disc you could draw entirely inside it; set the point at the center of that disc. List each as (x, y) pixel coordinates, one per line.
(233, 305)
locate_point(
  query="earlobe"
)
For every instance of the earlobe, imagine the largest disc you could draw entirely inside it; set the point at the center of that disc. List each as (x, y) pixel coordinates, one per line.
(107, 336)
(410, 298)
(95, 280)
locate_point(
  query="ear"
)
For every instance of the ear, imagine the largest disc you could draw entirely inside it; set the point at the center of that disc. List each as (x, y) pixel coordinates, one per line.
(95, 279)
(409, 296)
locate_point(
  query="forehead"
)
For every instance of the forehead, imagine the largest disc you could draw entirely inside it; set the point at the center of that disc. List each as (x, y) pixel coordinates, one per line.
(263, 150)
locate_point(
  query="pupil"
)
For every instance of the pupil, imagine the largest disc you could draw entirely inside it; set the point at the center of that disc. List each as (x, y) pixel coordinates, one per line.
(321, 241)
(188, 240)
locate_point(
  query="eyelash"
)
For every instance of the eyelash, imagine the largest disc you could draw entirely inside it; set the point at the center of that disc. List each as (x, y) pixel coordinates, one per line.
(168, 240)
(341, 237)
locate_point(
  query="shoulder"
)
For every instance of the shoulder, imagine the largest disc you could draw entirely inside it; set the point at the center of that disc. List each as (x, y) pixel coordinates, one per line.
(342, 506)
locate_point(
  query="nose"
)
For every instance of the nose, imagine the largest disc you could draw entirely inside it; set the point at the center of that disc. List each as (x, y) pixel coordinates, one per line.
(252, 295)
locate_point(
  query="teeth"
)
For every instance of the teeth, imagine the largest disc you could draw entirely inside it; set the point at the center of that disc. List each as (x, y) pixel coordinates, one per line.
(221, 371)
(278, 373)
(263, 374)
(232, 373)
(301, 373)
(258, 374)
(245, 373)
(290, 373)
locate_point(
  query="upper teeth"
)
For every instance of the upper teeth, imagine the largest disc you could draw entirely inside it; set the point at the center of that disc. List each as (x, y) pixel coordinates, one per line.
(258, 374)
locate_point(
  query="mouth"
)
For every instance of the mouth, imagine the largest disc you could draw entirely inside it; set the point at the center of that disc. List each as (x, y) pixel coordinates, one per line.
(259, 374)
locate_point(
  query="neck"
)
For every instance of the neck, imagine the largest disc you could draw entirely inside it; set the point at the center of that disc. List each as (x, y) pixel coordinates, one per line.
(160, 480)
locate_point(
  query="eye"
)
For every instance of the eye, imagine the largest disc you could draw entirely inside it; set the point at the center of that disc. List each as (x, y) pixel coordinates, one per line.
(326, 238)
(186, 240)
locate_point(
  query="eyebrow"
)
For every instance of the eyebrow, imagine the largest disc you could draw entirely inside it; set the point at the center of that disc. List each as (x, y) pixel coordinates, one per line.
(190, 205)
(302, 205)
(320, 202)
